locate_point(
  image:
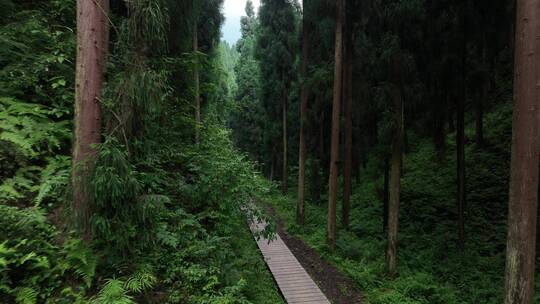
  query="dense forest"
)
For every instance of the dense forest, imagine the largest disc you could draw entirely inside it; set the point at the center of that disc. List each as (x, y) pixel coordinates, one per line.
(394, 146)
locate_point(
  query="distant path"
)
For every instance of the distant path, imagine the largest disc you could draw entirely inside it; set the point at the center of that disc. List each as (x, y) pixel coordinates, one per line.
(294, 282)
(338, 288)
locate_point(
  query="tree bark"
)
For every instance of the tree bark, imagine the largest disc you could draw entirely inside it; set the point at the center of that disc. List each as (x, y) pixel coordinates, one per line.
(318, 162)
(196, 78)
(92, 49)
(347, 157)
(285, 176)
(304, 96)
(395, 169)
(385, 194)
(480, 102)
(334, 152)
(523, 197)
(460, 141)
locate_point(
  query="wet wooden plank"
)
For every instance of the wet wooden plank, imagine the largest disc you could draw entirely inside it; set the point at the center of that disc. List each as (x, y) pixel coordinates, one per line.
(294, 282)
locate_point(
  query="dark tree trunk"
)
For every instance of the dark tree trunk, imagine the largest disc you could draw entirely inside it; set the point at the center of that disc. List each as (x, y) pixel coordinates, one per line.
(316, 184)
(395, 168)
(479, 121)
(450, 117)
(285, 172)
(440, 122)
(385, 194)
(336, 109)
(523, 198)
(348, 144)
(196, 79)
(304, 97)
(481, 102)
(92, 49)
(460, 142)
(273, 165)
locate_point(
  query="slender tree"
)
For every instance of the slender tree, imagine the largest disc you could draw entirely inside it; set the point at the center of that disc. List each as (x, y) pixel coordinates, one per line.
(285, 175)
(336, 105)
(523, 198)
(385, 194)
(92, 48)
(348, 144)
(196, 80)
(395, 166)
(460, 133)
(304, 96)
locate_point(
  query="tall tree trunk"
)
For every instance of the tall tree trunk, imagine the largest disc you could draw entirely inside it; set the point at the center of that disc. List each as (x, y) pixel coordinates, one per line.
(460, 141)
(336, 105)
(304, 96)
(523, 198)
(440, 122)
(385, 194)
(196, 78)
(480, 102)
(273, 165)
(92, 48)
(318, 162)
(285, 165)
(395, 169)
(347, 154)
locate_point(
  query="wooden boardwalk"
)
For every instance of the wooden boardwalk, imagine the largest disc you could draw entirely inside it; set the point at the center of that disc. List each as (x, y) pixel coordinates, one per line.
(294, 282)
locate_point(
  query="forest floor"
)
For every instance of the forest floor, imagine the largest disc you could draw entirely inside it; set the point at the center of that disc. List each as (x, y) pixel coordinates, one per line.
(431, 268)
(337, 287)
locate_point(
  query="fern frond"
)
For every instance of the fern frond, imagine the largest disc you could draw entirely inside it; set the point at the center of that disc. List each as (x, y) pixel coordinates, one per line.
(140, 281)
(113, 292)
(26, 295)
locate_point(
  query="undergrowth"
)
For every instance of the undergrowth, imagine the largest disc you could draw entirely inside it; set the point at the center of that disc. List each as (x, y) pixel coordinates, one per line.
(188, 245)
(431, 268)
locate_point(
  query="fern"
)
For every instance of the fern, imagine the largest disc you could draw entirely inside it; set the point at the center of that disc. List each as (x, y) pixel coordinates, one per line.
(81, 259)
(53, 178)
(140, 281)
(26, 295)
(29, 128)
(113, 292)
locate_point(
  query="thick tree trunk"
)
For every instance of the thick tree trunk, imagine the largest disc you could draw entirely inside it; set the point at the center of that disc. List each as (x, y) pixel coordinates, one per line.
(285, 172)
(304, 96)
(196, 89)
(347, 154)
(395, 170)
(92, 48)
(336, 105)
(523, 198)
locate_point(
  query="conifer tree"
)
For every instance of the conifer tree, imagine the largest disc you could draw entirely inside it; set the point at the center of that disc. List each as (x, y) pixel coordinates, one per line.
(336, 109)
(92, 48)
(523, 198)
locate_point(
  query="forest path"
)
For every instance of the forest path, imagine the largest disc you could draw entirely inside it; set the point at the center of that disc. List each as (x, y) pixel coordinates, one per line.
(294, 282)
(338, 287)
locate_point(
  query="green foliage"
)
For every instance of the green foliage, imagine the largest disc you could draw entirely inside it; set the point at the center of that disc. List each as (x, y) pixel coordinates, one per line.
(431, 269)
(113, 292)
(166, 224)
(37, 268)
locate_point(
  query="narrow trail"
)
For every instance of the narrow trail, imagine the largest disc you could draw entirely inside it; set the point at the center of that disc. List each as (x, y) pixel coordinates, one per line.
(337, 288)
(295, 284)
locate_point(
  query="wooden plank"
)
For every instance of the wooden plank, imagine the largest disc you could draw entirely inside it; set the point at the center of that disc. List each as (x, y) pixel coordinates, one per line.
(294, 282)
